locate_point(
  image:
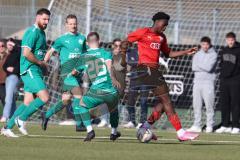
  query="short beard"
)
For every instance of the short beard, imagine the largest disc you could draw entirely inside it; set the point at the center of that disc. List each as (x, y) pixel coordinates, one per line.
(41, 26)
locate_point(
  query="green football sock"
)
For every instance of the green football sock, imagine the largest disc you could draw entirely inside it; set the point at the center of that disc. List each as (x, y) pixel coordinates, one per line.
(85, 115)
(32, 108)
(19, 110)
(54, 109)
(76, 111)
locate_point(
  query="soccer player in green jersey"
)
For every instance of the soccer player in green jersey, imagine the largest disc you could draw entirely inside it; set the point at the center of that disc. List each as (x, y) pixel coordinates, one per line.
(70, 46)
(31, 70)
(97, 64)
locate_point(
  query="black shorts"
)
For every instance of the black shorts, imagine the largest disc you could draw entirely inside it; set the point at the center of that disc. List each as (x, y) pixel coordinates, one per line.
(152, 78)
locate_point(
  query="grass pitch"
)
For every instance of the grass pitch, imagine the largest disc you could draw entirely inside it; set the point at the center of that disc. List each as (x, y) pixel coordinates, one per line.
(63, 143)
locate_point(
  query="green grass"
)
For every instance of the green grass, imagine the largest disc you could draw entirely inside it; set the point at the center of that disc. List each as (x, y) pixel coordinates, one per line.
(63, 143)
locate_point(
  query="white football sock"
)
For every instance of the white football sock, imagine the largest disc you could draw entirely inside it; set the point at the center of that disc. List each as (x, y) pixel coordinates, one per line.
(89, 128)
(114, 131)
(180, 132)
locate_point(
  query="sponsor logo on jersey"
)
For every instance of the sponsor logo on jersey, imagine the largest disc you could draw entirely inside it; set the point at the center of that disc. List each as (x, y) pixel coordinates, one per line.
(80, 41)
(149, 37)
(74, 55)
(155, 46)
(40, 53)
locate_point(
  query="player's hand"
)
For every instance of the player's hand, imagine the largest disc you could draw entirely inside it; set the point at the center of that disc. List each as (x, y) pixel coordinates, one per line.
(192, 51)
(74, 72)
(44, 67)
(10, 69)
(43, 64)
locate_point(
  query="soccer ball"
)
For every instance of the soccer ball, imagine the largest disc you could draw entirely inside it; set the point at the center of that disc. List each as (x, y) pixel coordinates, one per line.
(144, 135)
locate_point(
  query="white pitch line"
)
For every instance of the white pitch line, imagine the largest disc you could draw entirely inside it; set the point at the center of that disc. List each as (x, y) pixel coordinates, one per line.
(133, 138)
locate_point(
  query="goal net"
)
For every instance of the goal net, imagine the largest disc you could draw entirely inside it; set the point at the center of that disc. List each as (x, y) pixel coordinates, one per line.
(190, 20)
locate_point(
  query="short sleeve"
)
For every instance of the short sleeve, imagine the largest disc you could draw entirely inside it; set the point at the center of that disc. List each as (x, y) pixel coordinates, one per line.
(57, 45)
(136, 35)
(164, 46)
(107, 56)
(30, 39)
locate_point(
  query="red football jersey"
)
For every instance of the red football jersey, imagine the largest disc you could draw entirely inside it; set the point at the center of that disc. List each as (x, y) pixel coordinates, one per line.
(149, 46)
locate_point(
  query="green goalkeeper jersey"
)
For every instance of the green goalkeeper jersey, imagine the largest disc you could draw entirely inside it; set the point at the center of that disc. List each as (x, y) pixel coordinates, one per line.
(70, 46)
(97, 71)
(34, 38)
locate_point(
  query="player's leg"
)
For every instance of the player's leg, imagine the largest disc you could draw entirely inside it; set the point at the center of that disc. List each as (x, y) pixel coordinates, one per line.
(112, 99)
(28, 97)
(161, 92)
(156, 114)
(42, 99)
(161, 95)
(66, 99)
(90, 101)
(61, 103)
(35, 84)
(174, 119)
(86, 104)
(77, 96)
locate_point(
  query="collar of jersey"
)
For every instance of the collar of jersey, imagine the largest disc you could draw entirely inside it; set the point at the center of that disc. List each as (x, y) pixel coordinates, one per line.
(72, 33)
(90, 49)
(36, 26)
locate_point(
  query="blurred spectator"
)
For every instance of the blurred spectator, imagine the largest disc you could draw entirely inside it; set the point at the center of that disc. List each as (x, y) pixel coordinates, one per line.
(118, 74)
(204, 66)
(12, 68)
(3, 55)
(230, 85)
(133, 92)
(119, 69)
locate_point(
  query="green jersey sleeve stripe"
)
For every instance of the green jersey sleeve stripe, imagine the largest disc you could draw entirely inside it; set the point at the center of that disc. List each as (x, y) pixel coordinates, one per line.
(26, 47)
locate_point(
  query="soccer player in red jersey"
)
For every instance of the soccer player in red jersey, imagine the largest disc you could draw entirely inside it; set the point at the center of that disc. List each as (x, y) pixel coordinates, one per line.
(151, 41)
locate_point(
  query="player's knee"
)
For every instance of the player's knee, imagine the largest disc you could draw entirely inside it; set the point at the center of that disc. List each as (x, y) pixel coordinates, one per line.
(66, 97)
(45, 99)
(165, 100)
(170, 113)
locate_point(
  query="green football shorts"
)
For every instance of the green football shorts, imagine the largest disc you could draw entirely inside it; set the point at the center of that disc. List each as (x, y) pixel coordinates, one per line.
(33, 81)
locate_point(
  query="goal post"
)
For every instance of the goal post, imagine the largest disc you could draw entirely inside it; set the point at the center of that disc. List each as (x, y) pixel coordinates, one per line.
(190, 20)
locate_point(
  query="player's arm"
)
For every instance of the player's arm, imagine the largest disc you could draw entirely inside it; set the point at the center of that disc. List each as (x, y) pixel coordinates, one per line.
(174, 54)
(28, 43)
(56, 47)
(30, 57)
(48, 55)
